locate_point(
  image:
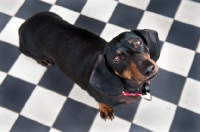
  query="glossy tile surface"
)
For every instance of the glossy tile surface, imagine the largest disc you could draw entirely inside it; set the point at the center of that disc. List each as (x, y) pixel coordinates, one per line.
(37, 99)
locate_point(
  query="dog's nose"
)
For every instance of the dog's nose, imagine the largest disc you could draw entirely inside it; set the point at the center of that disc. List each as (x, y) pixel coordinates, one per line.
(149, 70)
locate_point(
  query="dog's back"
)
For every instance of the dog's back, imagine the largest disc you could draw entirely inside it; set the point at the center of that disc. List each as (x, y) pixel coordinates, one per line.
(29, 32)
(46, 36)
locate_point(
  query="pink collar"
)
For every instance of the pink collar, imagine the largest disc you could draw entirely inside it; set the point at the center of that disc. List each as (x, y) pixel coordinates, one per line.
(145, 93)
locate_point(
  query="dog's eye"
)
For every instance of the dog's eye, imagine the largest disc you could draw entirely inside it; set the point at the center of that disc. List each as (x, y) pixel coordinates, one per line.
(137, 43)
(116, 58)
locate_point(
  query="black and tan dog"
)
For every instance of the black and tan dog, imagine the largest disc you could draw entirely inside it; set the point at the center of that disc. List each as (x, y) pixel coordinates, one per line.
(104, 69)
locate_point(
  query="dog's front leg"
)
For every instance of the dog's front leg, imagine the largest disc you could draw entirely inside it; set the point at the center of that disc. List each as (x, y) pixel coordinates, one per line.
(106, 112)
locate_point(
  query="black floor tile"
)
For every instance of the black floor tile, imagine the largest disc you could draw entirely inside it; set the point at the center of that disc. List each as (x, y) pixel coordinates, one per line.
(185, 121)
(164, 7)
(126, 112)
(14, 93)
(8, 56)
(196, 1)
(3, 20)
(75, 117)
(57, 81)
(184, 35)
(131, 16)
(75, 5)
(167, 86)
(90, 24)
(136, 128)
(195, 71)
(24, 124)
(31, 7)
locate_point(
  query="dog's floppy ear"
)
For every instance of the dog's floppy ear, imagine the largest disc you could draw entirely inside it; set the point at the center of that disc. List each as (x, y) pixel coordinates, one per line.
(152, 41)
(103, 80)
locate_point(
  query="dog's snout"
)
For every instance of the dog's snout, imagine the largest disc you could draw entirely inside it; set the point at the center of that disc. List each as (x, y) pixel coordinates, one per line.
(149, 70)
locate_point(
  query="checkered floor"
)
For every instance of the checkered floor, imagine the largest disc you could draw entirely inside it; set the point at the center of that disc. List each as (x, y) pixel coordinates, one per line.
(36, 99)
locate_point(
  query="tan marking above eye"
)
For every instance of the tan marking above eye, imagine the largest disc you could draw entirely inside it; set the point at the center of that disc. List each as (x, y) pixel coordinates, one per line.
(130, 41)
(118, 52)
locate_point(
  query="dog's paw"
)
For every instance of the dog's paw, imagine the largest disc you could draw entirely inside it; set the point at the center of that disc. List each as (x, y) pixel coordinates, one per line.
(46, 63)
(106, 112)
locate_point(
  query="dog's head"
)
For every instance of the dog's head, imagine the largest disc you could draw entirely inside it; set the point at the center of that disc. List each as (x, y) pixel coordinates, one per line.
(127, 63)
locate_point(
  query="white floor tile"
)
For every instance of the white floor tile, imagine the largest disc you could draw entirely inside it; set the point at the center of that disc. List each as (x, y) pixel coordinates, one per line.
(155, 115)
(43, 106)
(10, 32)
(156, 22)
(7, 119)
(82, 96)
(27, 69)
(10, 7)
(140, 4)
(190, 98)
(188, 12)
(116, 125)
(49, 1)
(93, 9)
(176, 59)
(68, 15)
(54, 130)
(110, 31)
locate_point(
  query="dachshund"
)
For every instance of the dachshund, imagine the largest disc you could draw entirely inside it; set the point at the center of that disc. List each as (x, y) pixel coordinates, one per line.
(109, 71)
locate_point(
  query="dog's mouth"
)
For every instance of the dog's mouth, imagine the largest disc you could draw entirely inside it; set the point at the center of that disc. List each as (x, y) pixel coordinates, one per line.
(142, 90)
